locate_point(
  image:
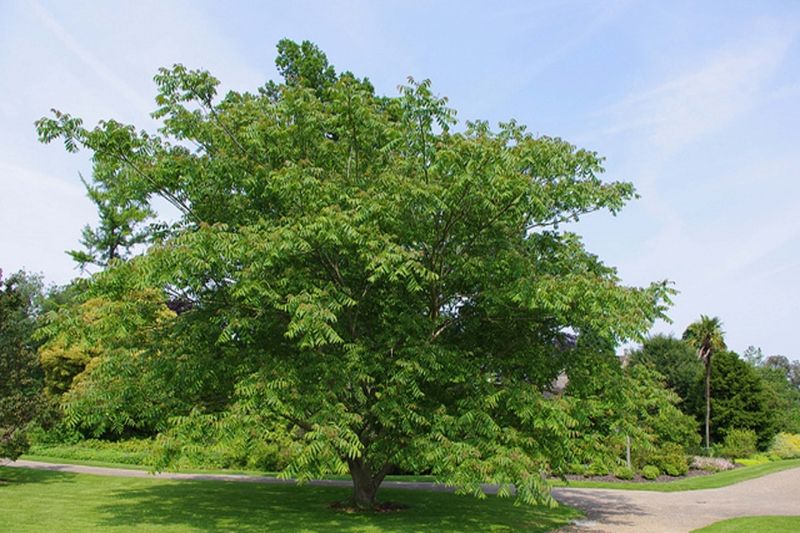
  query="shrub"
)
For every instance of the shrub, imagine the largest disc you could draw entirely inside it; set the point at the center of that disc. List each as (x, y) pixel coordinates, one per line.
(598, 468)
(670, 459)
(650, 472)
(786, 446)
(623, 472)
(58, 433)
(739, 443)
(713, 464)
(577, 469)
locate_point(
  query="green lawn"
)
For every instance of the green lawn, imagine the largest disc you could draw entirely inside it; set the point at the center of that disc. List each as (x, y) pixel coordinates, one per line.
(755, 524)
(34, 501)
(713, 481)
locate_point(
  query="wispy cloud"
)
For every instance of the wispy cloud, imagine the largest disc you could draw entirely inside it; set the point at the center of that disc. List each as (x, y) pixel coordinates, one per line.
(716, 255)
(681, 110)
(89, 59)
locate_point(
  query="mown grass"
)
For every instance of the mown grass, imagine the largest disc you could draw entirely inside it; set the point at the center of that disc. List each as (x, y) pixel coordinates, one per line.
(33, 501)
(755, 524)
(712, 481)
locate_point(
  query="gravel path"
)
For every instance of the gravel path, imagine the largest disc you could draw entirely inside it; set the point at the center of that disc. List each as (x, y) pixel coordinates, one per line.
(620, 511)
(607, 511)
(243, 478)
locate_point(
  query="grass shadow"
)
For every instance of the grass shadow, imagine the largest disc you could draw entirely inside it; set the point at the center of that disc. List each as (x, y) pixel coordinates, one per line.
(11, 476)
(215, 506)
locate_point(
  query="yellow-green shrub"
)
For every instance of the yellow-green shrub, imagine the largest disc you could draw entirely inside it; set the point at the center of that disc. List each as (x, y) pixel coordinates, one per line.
(650, 472)
(786, 446)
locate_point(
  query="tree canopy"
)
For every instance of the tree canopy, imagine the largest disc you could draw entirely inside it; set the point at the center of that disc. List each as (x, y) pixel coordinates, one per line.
(394, 286)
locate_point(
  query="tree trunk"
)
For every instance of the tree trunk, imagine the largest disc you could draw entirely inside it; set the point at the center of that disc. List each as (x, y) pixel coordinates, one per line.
(365, 483)
(708, 405)
(628, 451)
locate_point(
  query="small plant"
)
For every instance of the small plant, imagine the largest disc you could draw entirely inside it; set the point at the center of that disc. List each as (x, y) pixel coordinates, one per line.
(650, 472)
(786, 446)
(739, 443)
(623, 472)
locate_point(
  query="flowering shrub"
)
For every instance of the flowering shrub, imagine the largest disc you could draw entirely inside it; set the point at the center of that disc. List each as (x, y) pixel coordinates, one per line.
(715, 464)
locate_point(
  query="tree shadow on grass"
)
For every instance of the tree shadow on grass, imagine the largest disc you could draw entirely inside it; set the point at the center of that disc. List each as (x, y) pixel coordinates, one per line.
(215, 506)
(10, 476)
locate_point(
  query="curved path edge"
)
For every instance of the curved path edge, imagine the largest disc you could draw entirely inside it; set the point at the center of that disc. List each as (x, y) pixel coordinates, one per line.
(240, 478)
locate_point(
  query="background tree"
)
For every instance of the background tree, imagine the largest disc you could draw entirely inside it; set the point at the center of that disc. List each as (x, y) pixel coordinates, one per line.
(740, 399)
(707, 338)
(674, 359)
(121, 221)
(395, 291)
(782, 364)
(21, 382)
(776, 373)
(626, 409)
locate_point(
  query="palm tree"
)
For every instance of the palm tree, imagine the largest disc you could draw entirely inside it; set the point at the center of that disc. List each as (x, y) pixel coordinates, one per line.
(706, 337)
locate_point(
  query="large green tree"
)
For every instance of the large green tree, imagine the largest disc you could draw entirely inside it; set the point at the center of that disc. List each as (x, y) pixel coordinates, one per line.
(707, 338)
(20, 373)
(393, 286)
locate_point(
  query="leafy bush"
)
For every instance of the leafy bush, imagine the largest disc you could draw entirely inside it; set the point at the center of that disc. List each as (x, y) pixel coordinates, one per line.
(623, 472)
(738, 443)
(786, 446)
(713, 464)
(577, 469)
(59, 433)
(598, 468)
(670, 459)
(650, 472)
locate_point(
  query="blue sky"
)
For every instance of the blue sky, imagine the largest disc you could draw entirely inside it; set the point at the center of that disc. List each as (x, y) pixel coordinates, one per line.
(696, 103)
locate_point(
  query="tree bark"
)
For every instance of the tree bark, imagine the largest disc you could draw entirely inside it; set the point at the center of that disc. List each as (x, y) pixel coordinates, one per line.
(708, 404)
(365, 483)
(628, 451)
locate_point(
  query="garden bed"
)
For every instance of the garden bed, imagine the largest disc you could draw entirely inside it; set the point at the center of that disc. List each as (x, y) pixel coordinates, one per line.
(637, 478)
